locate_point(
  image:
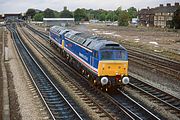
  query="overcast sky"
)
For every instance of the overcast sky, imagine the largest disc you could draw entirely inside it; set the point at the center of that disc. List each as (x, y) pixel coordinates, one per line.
(16, 6)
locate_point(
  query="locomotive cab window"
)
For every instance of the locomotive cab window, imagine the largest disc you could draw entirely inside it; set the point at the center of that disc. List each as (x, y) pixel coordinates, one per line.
(113, 55)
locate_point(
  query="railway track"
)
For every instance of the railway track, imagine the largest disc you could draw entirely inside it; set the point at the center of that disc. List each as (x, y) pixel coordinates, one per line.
(157, 59)
(169, 102)
(41, 34)
(55, 102)
(164, 65)
(131, 107)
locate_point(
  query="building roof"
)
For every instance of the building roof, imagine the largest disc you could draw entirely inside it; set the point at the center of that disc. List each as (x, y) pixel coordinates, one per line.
(160, 9)
(58, 19)
(166, 9)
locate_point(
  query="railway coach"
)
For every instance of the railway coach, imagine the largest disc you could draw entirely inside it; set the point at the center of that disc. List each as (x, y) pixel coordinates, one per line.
(103, 62)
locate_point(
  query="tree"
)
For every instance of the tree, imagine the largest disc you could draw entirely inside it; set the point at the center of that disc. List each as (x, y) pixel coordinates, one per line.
(56, 14)
(115, 17)
(80, 14)
(38, 17)
(123, 18)
(176, 19)
(102, 17)
(66, 13)
(118, 11)
(132, 12)
(48, 13)
(90, 14)
(30, 12)
(111, 16)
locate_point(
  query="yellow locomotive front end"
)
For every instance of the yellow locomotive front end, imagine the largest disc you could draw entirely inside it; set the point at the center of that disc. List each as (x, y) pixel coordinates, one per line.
(113, 67)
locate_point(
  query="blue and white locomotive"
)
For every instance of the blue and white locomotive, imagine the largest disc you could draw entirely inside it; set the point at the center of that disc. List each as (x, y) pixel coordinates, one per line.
(104, 62)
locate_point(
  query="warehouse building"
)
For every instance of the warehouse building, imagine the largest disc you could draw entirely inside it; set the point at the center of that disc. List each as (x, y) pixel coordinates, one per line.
(48, 22)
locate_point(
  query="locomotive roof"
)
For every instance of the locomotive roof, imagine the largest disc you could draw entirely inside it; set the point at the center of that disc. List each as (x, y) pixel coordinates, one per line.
(98, 43)
(90, 42)
(58, 29)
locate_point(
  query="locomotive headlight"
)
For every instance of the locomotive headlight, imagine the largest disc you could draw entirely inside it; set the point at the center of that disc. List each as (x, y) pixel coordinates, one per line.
(104, 80)
(125, 80)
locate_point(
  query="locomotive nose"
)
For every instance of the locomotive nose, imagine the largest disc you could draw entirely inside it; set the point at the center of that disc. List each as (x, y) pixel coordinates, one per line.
(112, 68)
(104, 80)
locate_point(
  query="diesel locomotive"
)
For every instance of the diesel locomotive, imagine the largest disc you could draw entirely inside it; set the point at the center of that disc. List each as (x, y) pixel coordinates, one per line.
(103, 62)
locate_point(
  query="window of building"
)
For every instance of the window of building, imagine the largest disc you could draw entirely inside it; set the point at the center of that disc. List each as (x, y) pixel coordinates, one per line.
(155, 23)
(159, 17)
(162, 17)
(170, 18)
(162, 23)
(155, 17)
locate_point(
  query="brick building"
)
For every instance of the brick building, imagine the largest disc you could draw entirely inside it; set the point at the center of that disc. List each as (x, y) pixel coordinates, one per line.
(161, 16)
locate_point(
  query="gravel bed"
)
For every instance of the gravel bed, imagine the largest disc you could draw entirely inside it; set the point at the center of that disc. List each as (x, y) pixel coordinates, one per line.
(13, 98)
(147, 102)
(23, 104)
(156, 79)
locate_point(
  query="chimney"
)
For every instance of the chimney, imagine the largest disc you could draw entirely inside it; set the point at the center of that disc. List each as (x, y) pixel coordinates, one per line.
(148, 7)
(168, 4)
(176, 4)
(160, 5)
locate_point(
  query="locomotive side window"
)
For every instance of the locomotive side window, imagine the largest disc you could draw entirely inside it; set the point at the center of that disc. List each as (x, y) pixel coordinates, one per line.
(96, 54)
(67, 35)
(72, 36)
